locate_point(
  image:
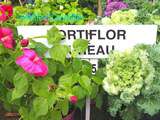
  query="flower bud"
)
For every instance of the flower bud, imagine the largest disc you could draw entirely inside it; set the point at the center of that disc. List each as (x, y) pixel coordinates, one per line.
(73, 99)
(24, 42)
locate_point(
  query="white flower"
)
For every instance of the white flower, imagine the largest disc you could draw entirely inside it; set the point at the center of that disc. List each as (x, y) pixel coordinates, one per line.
(110, 88)
(106, 21)
(61, 7)
(44, 1)
(105, 85)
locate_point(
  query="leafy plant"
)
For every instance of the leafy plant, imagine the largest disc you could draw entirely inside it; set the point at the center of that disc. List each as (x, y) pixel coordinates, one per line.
(126, 73)
(92, 4)
(148, 14)
(59, 12)
(66, 78)
(132, 82)
(38, 87)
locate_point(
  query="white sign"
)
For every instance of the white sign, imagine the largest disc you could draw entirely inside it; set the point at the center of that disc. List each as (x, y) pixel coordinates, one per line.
(102, 39)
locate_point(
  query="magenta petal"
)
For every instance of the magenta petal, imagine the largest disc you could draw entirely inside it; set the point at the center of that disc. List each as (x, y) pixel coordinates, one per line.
(6, 31)
(3, 16)
(44, 69)
(25, 63)
(29, 53)
(38, 69)
(32, 64)
(8, 41)
(6, 37)
(41, 69)
(21, 60)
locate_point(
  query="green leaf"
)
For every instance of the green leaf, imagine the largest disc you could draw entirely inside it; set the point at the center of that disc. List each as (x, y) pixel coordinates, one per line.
(54, 35)
(115, 105)
(57, 115)
(61, 1)
(21, 85)
(24, 113)
(52, 66)
(40, 48)
(149, 106)
(131, 113)
(86, 68)
(85, 82)
(99, 76)
(94, 91)
(51, 99)
(65, 107)
(99, 101)
(40, 106)
(97, 80)
(46, 10)
(40, 87)
(2, 49)
(59, 52)
(81, 103)
(8, 71)
(68, 68)
(154, 52)
(77, 65)
(79, 92)
(80, 45)
(67, 80)
(3, 93)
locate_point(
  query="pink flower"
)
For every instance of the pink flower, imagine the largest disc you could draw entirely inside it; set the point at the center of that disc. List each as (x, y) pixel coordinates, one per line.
(3, 16)
(6, 11)
(73, 99)
(32, 63)
(6, 37)
(24, 42)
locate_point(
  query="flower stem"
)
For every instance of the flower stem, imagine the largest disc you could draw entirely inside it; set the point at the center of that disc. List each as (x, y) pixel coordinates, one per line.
(20, 2)
(38, 37)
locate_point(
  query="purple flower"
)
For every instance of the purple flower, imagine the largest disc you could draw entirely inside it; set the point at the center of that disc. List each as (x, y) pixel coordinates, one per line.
(113, 1)
(114, 6)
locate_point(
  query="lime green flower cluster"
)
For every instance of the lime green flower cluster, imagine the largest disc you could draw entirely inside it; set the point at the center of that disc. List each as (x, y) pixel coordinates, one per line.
(121, 17)
(155, 19)
(126, 73)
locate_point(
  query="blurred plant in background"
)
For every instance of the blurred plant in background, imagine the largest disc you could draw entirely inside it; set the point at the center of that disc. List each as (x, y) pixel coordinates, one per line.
(60, 12)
